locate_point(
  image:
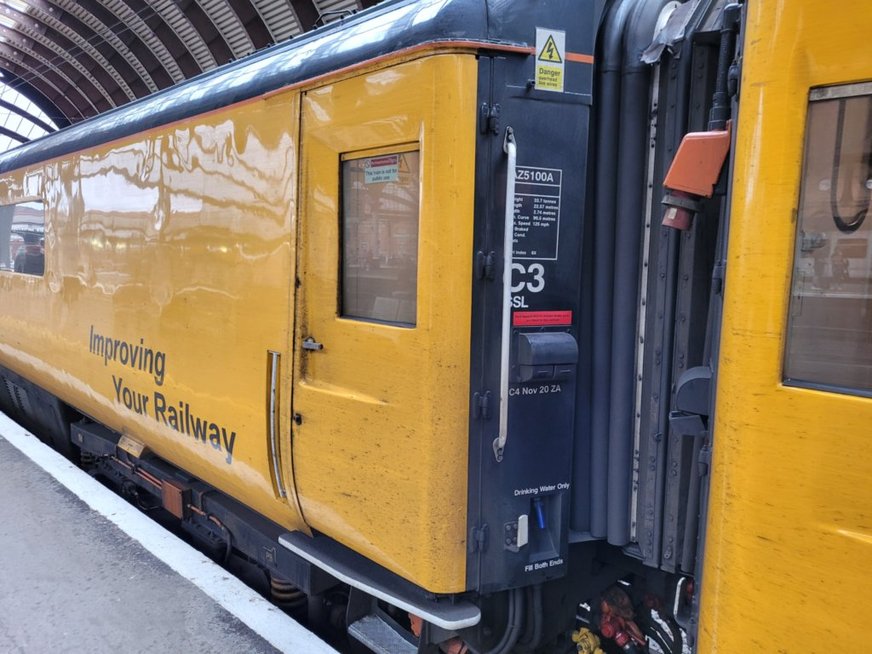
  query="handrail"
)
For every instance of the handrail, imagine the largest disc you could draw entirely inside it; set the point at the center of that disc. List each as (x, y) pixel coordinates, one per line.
(511, 150)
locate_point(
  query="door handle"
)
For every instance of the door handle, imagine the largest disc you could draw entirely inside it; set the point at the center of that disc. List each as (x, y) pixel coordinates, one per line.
(273, 364)
(310, 343)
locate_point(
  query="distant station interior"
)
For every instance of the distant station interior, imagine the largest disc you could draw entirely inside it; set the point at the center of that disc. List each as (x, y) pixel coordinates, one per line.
(63, 61)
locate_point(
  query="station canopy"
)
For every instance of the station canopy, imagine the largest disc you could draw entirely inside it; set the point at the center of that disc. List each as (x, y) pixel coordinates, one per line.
(62, 61)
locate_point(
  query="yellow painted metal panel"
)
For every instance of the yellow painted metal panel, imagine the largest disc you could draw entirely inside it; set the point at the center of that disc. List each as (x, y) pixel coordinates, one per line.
(790, 520)
(179, 245)
(380, 456)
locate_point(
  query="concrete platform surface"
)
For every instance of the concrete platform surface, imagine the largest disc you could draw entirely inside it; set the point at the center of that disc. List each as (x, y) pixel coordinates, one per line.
(74, 579)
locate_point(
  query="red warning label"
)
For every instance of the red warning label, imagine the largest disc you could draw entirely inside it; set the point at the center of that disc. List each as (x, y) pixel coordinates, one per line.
(541, 318)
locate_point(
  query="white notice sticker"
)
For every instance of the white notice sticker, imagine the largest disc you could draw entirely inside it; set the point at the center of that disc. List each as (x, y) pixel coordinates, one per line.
(378, 170)
(550, 59)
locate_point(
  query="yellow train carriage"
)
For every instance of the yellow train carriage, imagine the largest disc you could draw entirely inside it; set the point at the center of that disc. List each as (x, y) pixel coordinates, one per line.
(258, 283)
(789, 512)
(389, 312)
(167, 297)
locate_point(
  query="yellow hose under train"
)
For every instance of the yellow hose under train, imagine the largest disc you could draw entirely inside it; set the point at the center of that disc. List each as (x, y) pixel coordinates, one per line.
(586, 641)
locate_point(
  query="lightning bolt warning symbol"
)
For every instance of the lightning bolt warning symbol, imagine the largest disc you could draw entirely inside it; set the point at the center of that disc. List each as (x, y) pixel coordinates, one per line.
(550, 52)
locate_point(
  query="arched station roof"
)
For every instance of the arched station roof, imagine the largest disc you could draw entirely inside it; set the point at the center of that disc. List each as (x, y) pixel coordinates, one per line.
(73, 59)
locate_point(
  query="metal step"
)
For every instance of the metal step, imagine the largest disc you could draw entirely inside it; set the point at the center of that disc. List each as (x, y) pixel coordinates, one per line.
(358, 572)
(374, 632)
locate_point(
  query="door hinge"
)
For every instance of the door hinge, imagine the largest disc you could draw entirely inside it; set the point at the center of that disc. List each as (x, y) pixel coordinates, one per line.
(489, 118)
(705, 458)
(485, 265)
(478, 539)
(481, 405)
(718, 273)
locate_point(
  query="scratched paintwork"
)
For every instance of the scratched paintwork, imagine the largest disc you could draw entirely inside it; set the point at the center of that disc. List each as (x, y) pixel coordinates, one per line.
(790, 517)
(380, 456)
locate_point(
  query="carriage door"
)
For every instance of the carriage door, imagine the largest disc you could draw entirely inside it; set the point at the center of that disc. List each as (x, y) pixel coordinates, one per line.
(383, 310)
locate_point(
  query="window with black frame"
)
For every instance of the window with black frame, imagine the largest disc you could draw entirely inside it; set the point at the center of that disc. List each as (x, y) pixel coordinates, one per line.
(829, 331)
(380, 214)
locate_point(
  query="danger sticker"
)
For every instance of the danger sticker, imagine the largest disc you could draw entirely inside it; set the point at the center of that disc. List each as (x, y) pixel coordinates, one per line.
(550, 59)
(378, 170)
(541, 318)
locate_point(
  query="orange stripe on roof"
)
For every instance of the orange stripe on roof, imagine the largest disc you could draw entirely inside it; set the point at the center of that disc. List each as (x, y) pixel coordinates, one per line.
(419, 49)
(576, 57)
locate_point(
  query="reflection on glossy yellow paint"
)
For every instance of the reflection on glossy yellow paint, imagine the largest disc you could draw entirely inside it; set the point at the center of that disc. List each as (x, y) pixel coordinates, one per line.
(864, 537)
(180, 240)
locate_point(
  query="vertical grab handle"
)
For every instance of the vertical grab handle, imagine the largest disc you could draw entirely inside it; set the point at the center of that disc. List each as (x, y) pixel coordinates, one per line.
(511, 150)
(273, 365)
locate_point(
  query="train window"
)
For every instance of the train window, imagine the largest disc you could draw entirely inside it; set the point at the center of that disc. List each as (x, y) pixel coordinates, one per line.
(22, 238)
(380, 209)
(829, 336)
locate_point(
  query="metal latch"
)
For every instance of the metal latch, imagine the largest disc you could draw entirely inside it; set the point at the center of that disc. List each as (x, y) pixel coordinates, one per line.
(310, 343)
(478, 539)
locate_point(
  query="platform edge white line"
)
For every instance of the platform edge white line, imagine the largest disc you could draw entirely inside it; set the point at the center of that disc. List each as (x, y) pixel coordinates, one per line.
(264, 619)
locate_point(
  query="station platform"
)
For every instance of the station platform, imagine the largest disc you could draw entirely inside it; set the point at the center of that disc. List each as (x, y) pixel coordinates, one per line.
(82, 570)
